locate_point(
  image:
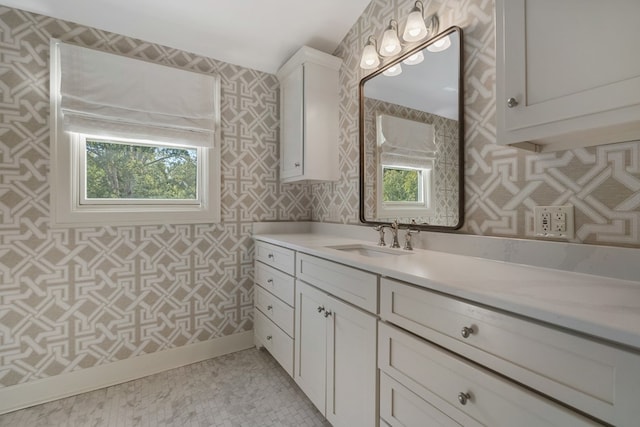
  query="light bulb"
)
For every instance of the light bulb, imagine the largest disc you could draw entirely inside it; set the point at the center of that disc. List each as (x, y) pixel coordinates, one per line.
(369, 58)
(414, 59)
(390, 44)
(415, 29)
(440, 45)
(394, 70)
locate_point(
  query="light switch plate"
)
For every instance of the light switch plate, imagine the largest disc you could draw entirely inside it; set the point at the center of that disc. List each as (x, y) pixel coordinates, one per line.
(554, 222)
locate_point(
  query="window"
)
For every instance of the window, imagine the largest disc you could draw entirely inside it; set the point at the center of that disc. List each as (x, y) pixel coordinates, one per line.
(134, 173)
(132, 142)
(404, 191)
(405, 156)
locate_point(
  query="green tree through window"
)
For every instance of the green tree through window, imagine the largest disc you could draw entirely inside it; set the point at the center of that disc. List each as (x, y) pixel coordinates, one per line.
(125, 171)
(400, 185)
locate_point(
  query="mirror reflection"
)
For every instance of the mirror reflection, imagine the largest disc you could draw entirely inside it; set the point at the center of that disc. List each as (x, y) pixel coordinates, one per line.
(411, 137)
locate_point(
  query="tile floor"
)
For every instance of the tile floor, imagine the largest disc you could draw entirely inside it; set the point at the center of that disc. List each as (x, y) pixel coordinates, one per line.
(245, 389)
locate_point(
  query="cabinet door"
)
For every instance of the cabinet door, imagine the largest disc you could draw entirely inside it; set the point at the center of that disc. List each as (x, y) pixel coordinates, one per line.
(311, 343)
(571, 88)
(292, 121)
(351, 366)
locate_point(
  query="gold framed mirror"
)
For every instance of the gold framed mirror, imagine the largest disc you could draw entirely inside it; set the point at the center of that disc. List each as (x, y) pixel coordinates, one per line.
(412, 137)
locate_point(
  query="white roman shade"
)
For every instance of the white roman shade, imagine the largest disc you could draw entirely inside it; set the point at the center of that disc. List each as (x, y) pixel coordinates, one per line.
(403, 142)
(115, 96)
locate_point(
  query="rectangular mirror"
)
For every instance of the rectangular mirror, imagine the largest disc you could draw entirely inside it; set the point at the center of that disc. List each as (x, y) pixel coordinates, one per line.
(411, 137)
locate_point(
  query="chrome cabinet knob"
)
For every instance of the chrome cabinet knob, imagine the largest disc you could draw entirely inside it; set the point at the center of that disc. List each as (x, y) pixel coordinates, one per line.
(327, 313)
(466, 331)
(270, 281)
(296, 164)
(270, 256)
(269, 337)
(512, 102)
(320, 309)
(269, 307)
(463, 398)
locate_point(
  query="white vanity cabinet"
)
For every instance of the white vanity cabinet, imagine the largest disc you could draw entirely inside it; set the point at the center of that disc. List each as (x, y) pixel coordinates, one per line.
(568, 73)
(309, 97)
(273, 302)
(395, 342)
(598, 379)
(456, 392)
(335, 350)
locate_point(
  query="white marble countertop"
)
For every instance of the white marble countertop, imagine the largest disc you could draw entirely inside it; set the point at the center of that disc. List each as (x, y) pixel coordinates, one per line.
(599, 306)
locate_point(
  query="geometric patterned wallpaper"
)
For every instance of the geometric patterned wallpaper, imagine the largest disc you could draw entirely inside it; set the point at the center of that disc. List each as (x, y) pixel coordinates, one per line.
(502, 184)
(444, 190)
(80, 297)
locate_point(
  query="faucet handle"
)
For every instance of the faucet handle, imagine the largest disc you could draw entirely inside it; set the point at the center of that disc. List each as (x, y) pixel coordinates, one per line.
(407, 237)
(380, 229)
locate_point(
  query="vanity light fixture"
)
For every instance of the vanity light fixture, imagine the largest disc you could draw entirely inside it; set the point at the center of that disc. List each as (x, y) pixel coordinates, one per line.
(414, 59)
(415, 29)
(440, 45)
(370, 57)
(393, 71)
(390, 44)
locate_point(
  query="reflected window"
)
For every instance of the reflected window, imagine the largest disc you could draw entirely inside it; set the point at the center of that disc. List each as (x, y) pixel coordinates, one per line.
(404, 191)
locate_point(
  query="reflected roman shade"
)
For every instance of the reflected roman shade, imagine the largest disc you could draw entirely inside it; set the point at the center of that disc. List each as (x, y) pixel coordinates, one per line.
(110, 95)
(403, 142)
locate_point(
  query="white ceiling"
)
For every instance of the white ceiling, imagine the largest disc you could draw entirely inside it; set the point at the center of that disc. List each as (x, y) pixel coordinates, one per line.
(258, 34)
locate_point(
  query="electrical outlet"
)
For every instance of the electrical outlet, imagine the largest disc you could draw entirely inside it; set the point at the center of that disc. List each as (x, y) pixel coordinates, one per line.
(555, 222)
(545, 225)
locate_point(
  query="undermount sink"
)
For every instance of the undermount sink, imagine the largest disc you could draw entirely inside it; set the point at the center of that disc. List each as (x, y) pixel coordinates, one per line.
(369, 251)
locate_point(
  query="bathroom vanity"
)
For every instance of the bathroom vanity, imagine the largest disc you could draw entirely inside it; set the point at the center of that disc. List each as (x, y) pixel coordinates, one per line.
(380, 336)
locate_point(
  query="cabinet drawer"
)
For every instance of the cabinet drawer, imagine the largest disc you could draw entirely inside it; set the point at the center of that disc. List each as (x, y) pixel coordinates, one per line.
(279, 344)
(400, 407)
(275, 281)
(349, 284)
(592, 377)
(466, 392)
(276, 256)
(278, 312)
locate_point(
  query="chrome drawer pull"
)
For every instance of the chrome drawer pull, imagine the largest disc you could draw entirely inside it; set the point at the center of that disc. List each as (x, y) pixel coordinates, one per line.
(463, 398)
(268, 337)
(320, 309)
(269, 307)
(512, 102)
(466, 331)
(327, 313)
(270, 256)
(270, 281)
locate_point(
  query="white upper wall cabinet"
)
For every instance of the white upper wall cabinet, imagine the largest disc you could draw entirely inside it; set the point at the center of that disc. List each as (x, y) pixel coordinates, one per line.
(309, 96)
(568, 73)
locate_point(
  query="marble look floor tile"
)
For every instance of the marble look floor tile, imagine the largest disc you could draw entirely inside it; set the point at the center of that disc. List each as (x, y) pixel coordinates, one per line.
(243, 389)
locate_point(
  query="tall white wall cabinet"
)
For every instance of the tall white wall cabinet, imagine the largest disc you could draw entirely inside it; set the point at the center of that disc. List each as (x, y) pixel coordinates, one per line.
(309, 96)
(568, 73)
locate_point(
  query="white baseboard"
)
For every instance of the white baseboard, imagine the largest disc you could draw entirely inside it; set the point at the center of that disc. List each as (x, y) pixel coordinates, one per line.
(64, 385)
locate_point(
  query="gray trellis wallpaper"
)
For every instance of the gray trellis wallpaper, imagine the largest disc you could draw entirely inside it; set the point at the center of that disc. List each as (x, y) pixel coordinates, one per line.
(502, 185)
(76, 298)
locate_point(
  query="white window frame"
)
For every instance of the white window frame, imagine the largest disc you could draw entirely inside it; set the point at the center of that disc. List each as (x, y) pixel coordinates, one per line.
(418, 209)
(67, 150)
